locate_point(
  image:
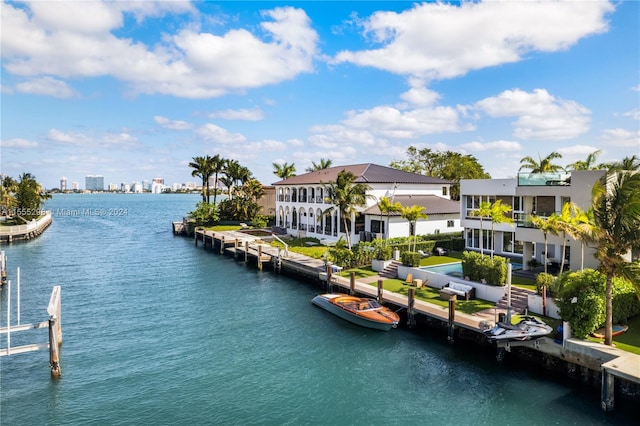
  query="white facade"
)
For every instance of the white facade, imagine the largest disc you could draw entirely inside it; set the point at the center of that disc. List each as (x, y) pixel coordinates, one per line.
(301, 206)
(529, 194)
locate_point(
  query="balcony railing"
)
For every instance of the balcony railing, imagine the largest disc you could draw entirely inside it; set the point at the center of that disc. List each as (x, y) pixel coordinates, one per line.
(523, 220)
(544, 179)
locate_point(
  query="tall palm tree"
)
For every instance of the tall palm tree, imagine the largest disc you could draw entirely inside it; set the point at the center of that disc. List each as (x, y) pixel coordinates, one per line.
(284, 170)
(345, 195)
(217, 167)
(387, 207)
(543, 165)
(498, 215)
(236, 175)
(7, 191)
(548, 225)
(627, 163)
(412, 214)
(323, 164)
(483, 211)
(584, 230)
(202, 167)
(565, 223)
(616, 214)
(588, 164)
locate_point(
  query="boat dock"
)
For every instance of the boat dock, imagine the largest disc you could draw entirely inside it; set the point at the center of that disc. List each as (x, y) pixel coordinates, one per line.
(581, 355)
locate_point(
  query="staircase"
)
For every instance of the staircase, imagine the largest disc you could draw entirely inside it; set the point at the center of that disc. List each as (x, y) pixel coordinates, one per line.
(391, 271)
(519, 300)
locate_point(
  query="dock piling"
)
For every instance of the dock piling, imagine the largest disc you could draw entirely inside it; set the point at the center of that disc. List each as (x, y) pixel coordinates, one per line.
(379, 290)
(411, 300)
(452, 317)
(352, 283)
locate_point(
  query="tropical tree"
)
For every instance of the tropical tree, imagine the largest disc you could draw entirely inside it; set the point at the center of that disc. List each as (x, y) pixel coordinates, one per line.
(284, 170)
(498, 215)
(583, 229)
(7, 191)
(548, 225)
(217, 167)
(345, 195)
(236, 175)
(483, 211)
(627, 163)
(566, 222)
(202, 167)
(29, 196)
(616, 214)
(323, 164)
(387, 207)
(588, 164)
(543, 165)
(448, 165)
(412, 214)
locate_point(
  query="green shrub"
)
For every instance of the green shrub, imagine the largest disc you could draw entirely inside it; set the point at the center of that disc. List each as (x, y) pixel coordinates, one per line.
(478, 267)
(625, 301)
(544, 279)
(410, 258)
(580, 297)
(383, 253)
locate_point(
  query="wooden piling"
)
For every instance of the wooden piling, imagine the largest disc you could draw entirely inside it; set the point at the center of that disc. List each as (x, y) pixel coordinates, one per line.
(329, 278)
(3, 267)
(55, 331)
(246, 252)
(352, 283)
(607, 391)
(235, 249)
(379, 290)
(222, 245)
(452, 317)
(260, 256)
(411, 300)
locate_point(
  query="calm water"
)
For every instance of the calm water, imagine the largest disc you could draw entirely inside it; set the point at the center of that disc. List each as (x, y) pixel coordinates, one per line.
(157, 332)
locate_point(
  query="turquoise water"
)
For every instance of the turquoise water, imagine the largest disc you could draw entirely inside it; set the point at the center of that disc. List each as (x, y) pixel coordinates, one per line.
(158, 332)
(455, 268)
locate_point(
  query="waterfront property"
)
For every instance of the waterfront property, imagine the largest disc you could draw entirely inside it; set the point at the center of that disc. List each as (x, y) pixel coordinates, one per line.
(301, 203)
(540, 194)
(27, 231)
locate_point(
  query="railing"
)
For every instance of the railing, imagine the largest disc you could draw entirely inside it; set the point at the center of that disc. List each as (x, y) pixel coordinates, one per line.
(523, 220)
(544, 179)
(286, 246)
(27, 228)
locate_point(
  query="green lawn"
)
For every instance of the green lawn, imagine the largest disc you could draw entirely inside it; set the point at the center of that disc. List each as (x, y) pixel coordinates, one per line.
(629, 341)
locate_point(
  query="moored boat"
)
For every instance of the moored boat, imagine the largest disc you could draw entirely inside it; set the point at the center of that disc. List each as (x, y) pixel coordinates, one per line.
(616, 330)
(527, 329)
(358, 310)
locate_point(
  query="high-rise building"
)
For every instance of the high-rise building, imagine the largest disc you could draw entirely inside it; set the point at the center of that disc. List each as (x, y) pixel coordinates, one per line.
(63, 183)
(94, 183)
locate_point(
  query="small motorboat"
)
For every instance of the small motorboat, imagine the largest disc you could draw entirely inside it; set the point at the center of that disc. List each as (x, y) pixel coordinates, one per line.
(358, 310)
(615, 331)
(527, 329)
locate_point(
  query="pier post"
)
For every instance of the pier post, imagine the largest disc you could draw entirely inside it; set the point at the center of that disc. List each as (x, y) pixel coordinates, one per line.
(352, 283)
(379, 290)
(246, 252)
(260, 256)
(329, 278)
(195, 237)
(54, 356)
(235, 249)
(452, 317)
(607, 392)
(222, 245)
(411, 300)
(3, 267)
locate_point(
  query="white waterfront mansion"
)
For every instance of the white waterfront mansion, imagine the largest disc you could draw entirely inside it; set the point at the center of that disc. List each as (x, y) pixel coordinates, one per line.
(302, 208)
(529, 194)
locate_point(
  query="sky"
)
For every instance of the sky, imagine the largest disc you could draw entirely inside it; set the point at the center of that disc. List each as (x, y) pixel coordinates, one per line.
(133, 90)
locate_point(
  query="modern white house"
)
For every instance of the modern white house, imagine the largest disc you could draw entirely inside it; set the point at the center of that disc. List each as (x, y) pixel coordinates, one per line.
(540, 194)
(302, 208)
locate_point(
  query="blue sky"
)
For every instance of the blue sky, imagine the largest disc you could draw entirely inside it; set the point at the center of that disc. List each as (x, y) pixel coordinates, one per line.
(134, 90)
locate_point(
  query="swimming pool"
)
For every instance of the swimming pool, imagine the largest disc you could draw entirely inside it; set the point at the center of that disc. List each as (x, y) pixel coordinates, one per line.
(455, 268)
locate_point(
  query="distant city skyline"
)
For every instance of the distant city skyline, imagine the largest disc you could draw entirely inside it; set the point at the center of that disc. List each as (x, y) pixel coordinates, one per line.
(131, 89)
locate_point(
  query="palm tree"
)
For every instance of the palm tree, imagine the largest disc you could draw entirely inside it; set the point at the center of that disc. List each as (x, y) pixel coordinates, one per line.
(217, 167)
(627, 163)
(346, 195)
(323, 164)
(616, 214)
(284, 170)
(548, 225)
(202, 167)
(483, 210)
(236, 175)
(386, 206)
(498, 215)
(588, 164)
(584, 230)
(7, 191)
(544, 165)
(565, 223)
(412, 214)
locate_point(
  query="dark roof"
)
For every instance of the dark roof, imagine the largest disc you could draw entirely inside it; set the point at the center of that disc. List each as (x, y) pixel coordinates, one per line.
(365, 173)
(432, 204)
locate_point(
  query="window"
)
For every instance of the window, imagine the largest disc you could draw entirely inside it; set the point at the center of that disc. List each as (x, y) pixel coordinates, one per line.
(450, 224)
(445, 191)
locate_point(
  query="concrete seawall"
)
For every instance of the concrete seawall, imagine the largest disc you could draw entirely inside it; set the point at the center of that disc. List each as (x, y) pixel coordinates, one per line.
(9, 234)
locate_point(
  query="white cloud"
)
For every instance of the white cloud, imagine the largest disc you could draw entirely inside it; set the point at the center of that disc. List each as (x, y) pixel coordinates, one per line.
(219, 135)
(540, 115)
(172, 124)
(18, 143)
(69, 138)
(121, 139)
(76, 40)
(634, 114)
(253, 114)
(622, 138)
(46, 86)
(436, 40)
(498, 146)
